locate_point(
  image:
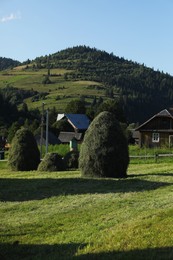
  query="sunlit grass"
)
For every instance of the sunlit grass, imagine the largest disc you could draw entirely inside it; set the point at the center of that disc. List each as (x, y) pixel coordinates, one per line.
(65, 90)
(69, 216)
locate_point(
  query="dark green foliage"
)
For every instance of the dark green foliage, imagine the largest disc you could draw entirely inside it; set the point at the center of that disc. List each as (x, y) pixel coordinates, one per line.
(32, 125)
(46, 80)
(71, 160)
(113, 106)
(104, 151)
(8, 111)
(12, 131)
(10, 97)
(52, 162)
(63, 125)
(15, 95)
(75, 107)
(24, 154)
(52, 115)
(39, 96)
(6, 63)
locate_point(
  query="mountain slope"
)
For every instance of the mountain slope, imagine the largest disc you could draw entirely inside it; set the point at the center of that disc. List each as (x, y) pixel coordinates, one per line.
(143, 90)
(88, 73)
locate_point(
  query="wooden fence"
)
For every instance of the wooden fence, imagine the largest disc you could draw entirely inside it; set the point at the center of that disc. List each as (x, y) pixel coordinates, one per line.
(154, 156)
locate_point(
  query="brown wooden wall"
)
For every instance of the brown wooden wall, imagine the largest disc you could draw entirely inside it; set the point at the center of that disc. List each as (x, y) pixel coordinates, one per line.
(159, 123)
(146, 139)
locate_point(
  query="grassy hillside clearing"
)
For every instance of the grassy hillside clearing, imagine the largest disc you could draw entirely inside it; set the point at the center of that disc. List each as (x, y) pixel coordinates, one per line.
(59, 92)
(63, 216)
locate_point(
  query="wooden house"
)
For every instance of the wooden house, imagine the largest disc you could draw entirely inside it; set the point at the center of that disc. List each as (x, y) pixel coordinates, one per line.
(67, 137)
(78, 123)
(157, 131)
(52, 139)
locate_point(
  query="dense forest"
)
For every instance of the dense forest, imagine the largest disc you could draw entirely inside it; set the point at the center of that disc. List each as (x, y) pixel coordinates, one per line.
(11, 118)
(143, 91)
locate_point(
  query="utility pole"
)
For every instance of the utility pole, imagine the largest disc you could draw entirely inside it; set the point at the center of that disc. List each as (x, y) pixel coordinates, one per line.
(42, 130)
(47, 129)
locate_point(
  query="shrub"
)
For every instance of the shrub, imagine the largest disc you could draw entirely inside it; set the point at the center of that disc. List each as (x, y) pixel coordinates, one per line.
(24, 154)
(104, 151)
(71, 160)
(51, 162)
(46, 80)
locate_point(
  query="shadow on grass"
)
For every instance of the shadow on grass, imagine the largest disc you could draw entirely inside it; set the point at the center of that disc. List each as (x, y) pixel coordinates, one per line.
(149, 254)
(37, 189)
(152, 174)
(68, 251)
(16, 251)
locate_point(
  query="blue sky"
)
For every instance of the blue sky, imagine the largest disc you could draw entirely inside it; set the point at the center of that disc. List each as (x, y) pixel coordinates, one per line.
(138, 30)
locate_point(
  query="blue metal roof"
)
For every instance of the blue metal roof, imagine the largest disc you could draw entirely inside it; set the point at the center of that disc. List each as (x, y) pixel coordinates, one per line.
(79, 121)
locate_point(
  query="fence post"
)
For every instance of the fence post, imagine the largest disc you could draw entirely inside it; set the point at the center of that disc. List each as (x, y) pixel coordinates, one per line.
(156, 157)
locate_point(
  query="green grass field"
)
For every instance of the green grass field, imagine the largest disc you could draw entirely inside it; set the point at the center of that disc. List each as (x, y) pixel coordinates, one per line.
(60, 92)
(61, 215)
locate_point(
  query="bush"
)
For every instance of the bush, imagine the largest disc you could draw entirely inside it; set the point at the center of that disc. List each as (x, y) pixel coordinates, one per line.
(71, 160)
(46, 80)
(104, 151)
(51, 162)
(24, 154)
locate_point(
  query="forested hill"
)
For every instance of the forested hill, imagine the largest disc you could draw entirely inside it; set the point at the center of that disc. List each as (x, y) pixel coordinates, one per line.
(144, 91)
(6, 63)
(141, 90)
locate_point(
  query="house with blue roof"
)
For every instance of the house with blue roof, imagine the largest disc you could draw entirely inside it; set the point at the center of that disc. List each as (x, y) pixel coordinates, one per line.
(78, 122)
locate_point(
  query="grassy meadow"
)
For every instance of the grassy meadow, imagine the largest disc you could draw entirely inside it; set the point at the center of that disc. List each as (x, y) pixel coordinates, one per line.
(59, 92)
(61, 215)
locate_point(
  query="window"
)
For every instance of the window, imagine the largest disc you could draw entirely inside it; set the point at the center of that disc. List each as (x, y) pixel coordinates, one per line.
(155, 137)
